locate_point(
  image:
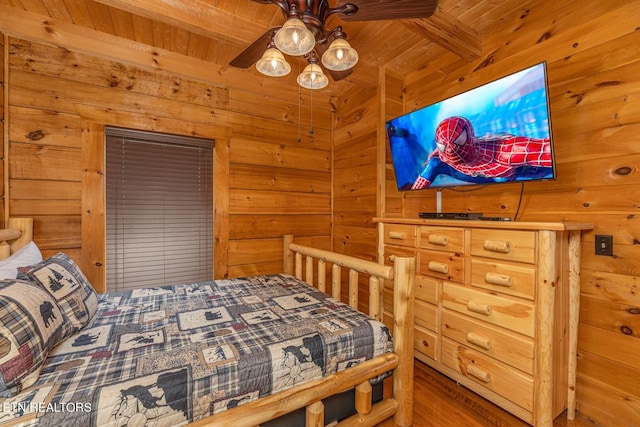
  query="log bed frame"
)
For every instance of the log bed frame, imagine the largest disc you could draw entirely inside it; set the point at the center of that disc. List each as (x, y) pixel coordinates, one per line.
(296, 259)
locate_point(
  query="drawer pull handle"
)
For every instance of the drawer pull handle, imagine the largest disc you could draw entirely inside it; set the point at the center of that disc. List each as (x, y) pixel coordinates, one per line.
(396, 235)
(477, 307)
(498, 279)
(479, 340)
(438, 267)
(478, 373)
(503, 247)
(437, 239)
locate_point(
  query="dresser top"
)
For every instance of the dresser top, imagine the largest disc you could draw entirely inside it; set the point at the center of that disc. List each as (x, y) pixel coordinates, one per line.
(505, 225)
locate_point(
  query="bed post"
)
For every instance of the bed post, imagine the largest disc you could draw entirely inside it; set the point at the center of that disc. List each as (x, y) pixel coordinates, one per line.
(287, 255)
(404, 272)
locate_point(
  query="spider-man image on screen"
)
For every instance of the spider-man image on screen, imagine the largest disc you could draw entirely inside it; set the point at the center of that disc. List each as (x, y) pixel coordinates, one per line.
(480, 160)
(499, 132)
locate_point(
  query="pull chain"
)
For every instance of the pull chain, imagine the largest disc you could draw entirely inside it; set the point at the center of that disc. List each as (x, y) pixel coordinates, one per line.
(311, 131)
(299, 107)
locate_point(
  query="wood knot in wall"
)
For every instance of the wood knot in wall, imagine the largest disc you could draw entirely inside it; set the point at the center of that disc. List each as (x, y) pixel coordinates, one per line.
(624, 170)
(36, 135)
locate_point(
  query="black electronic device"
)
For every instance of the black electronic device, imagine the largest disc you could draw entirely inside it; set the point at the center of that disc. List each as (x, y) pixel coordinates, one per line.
(462, 215)
(450, 215)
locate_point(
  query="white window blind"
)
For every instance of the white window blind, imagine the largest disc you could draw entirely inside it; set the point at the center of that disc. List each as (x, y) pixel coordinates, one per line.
(159, 209)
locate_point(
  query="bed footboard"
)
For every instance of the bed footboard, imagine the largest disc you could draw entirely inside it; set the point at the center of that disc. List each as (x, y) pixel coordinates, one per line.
(313, 263)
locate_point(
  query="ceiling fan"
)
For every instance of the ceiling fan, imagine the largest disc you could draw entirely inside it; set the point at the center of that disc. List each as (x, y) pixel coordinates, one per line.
(313, 15)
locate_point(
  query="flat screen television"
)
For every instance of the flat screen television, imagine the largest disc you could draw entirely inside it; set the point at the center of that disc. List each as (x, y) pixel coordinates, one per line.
(498, 132)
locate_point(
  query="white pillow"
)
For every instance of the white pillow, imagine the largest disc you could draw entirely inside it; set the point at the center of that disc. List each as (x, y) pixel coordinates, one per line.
(27, 255)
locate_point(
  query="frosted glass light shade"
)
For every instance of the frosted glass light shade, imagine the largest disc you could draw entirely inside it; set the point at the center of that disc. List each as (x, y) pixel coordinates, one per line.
(273, 63)
(294, 38)
(312, 77)
(340, 56)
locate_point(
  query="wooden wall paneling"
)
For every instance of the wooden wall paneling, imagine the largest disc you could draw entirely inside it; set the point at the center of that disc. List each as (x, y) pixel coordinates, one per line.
(357, 218)
(527, 32)
(613, 287)
(258, 128)
(355, 177)
(612, 317)
(302, 109)
(256, 251)
(260, 202)
(393, 99)
(607, 407)
(176, 126)
(279, 154)
(221, 228)
(35, 161)
(381, 99)
(616, 376)
(44, 127)
(291, 177)
(267, 177)
(355, 182)
(58, 233)
(593, 82)
(4, 130)
(280, 180)
(93, 251)
(96, 72)
(252, 226)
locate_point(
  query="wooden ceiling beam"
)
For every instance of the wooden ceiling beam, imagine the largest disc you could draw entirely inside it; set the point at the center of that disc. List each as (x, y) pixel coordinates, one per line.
(45, 30)
(448, 32)
(196, 16)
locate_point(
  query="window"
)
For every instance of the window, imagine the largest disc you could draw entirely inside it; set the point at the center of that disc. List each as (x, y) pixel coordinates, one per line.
(159, 209)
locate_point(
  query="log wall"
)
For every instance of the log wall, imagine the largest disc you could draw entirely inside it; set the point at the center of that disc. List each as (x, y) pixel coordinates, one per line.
(592, 51)
(272, 177)
(3, 128)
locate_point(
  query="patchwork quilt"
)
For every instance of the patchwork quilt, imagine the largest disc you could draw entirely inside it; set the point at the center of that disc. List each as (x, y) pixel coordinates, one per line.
(165, 356)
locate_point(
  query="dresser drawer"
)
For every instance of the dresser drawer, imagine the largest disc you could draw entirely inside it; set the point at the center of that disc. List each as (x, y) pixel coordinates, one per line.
(426, 315)
(425, 342)
(443, 265)
(510, 383)
(399, 234)
(509, 313)
(508, 278)
(426, 289)
(442, 238)
(510, 348)
(393, 251)
(509, 245)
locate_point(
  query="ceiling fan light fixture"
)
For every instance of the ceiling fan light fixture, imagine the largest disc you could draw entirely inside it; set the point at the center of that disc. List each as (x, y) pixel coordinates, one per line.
(312, 77)
(273, 63)
(294, 38)
(340, 56)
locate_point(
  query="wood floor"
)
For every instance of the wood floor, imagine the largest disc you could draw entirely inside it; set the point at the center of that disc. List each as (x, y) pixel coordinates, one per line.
(440, 402)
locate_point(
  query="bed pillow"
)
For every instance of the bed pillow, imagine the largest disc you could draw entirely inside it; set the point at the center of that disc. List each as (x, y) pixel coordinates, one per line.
(63, 279)
(31, 324)
(27, 255)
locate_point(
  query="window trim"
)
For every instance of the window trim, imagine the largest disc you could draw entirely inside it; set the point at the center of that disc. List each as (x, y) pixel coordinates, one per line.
(93, 225)
(159, 264)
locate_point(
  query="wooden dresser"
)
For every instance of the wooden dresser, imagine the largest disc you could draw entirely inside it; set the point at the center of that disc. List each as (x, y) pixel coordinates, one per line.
(496, 307)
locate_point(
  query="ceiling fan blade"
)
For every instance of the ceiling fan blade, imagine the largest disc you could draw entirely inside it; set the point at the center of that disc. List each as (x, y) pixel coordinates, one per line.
(320, 49)
(377, 10)
(253, 52)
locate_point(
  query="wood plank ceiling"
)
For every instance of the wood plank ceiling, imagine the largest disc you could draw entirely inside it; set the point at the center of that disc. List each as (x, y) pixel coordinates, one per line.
(215, 31)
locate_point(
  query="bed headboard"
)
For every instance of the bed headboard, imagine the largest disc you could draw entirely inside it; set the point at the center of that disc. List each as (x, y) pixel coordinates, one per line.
(18, 233)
